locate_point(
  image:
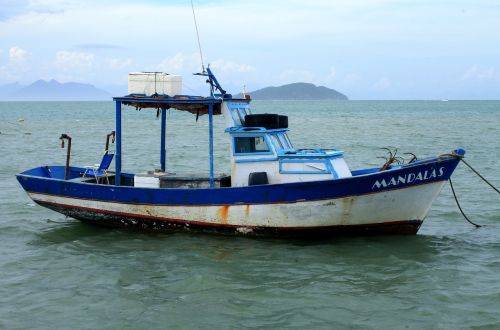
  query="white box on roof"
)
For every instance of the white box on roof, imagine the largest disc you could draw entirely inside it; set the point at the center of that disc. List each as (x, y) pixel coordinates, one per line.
(150, 83)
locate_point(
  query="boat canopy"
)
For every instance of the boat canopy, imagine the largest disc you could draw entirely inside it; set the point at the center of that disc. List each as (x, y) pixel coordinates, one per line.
(198, 105)
(194, 104)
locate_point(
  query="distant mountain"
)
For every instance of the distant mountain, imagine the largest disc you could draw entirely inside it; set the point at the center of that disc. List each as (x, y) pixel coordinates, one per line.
(296, 91)
(6, 90)
(42, 90)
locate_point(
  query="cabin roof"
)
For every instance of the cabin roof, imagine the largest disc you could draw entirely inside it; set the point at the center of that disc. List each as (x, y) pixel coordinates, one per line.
(243, 129)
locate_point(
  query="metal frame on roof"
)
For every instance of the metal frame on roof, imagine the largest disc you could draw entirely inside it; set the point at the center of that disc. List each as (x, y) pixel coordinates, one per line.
(194, 104)
(197, 105)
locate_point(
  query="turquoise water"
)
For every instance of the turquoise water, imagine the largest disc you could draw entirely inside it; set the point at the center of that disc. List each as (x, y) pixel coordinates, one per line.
(59, 273)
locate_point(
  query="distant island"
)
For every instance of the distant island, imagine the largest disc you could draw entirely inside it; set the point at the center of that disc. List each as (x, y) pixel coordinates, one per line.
(296, 91)
(52, 90)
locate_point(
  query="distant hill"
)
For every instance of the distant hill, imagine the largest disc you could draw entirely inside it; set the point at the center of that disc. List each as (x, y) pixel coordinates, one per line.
(296, 91)
(6, 90)
(53, 90)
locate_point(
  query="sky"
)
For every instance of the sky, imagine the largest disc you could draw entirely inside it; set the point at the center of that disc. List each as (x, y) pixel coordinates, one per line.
(366, 49)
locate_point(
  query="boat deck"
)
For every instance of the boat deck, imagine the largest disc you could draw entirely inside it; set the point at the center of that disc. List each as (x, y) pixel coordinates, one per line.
(166, 180)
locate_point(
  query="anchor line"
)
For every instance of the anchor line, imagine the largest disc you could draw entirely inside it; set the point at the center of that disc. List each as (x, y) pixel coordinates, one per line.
(459, 207)
(473, 170)
(479, 175)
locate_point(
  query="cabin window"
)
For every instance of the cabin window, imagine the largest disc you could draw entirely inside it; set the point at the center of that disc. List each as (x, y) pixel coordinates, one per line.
(276, 141)
(254, 144)
(242, 113)
(238, 120)
(238, 115)
(285, 140)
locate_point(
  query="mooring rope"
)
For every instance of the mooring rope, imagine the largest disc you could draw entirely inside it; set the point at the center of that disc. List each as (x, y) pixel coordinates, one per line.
(479, 175)
(459, 207)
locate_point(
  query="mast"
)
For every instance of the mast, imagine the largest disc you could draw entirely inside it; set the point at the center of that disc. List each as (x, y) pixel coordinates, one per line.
(118, 145)
(162, 142)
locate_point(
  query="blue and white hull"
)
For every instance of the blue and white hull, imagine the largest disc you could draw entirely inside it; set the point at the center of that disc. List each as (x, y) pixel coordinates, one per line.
(274, 188)
(394, 201)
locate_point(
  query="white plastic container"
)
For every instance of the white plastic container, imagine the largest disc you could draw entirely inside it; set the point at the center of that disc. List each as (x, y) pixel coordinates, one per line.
(150, 83)
(146, 181)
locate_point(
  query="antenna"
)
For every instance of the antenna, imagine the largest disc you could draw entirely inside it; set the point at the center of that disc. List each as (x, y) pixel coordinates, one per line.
(198, 36)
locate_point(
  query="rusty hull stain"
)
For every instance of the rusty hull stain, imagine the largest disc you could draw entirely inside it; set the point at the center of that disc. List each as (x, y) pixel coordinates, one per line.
(223, 214)
(247, 210)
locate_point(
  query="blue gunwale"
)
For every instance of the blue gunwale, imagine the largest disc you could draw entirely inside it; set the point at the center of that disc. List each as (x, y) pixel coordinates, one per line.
(35, 181)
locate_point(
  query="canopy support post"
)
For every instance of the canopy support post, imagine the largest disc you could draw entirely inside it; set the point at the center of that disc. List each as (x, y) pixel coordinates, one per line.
(118, 145)
(162, 147)
(211, 142)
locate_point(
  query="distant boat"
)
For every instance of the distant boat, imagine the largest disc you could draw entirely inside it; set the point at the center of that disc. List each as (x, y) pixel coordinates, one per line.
(444, 100)
(273, 189)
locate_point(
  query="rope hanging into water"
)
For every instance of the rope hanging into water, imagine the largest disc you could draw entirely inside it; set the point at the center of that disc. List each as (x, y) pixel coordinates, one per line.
(459, 207)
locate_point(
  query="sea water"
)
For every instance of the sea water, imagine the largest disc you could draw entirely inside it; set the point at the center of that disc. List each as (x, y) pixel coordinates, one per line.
(56, 272)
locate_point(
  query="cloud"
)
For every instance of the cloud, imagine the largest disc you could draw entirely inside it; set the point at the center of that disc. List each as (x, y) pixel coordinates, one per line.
(371, 38)
(296, 75)
(48, 6)
(16, 66)
(11, 8)
(73, 60)
(118, 63)
(180, 62)
(382, 84)
(350, 79)
(98, 46)
(223, 66)
(17, 55)
(332, 73)
(477, 72)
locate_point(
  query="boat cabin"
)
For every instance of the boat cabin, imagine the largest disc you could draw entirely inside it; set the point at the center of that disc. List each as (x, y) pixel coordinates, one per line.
(261, 151)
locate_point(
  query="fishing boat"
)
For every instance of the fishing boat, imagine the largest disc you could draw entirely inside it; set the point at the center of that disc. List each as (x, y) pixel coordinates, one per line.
(273, 188)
